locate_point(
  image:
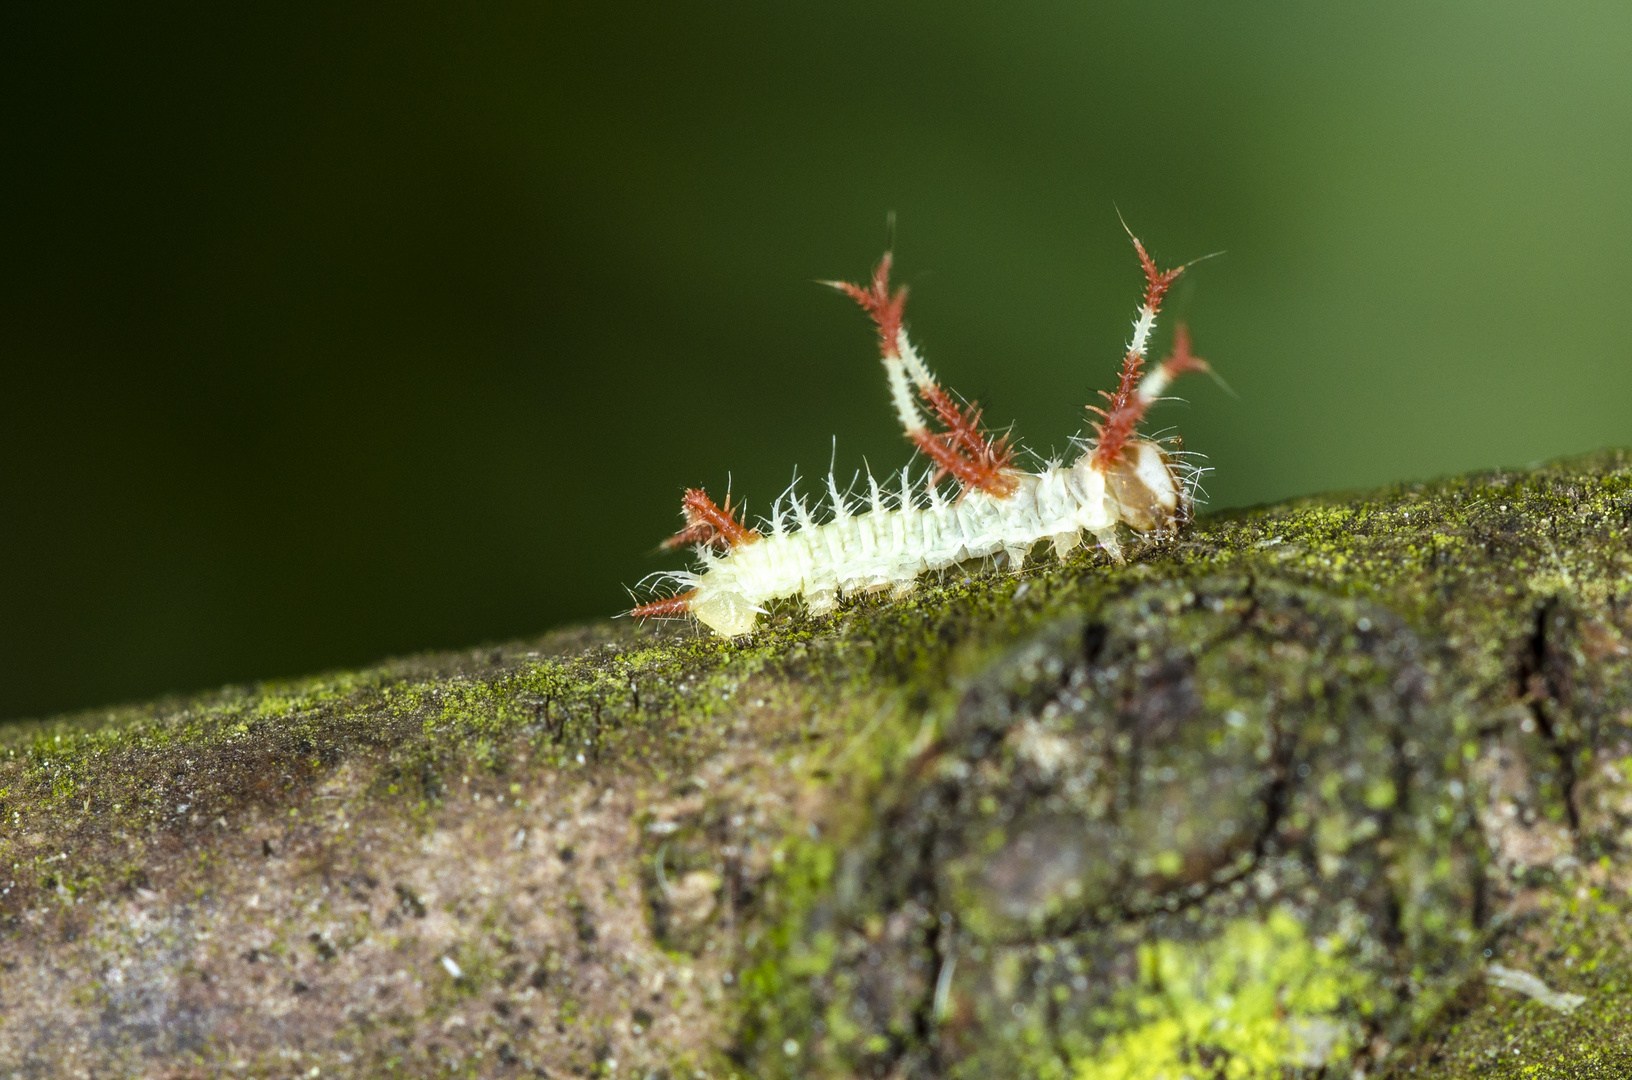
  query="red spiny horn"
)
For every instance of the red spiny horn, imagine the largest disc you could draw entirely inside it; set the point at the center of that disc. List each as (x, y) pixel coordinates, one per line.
(963, 451)
(882, 306)
(673, 607)
(1157, 282)
(1121, 422)
(692, 535)
(1181, 359)
(1126, 407)
(975, 459)
(707, 523)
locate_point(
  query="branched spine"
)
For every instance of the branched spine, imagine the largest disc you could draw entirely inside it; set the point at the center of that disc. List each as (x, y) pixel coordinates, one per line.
(1120, 421)
(977, 460)
(708, 524)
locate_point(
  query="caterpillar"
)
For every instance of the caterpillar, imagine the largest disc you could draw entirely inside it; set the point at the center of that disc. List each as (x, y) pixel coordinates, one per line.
(999, 509)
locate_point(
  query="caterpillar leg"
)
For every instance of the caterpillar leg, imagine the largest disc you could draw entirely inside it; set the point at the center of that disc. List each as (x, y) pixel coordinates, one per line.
(1107, 540)
(726, 613)
(1064, 543)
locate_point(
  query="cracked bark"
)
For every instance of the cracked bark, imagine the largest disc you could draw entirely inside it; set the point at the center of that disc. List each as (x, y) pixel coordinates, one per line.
(959, 835)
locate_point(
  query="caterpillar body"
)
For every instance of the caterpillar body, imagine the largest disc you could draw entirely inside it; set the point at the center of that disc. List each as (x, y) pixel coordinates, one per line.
(1121, 478)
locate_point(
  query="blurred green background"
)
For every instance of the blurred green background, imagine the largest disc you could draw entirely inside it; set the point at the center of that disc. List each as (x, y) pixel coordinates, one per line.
(331, 332)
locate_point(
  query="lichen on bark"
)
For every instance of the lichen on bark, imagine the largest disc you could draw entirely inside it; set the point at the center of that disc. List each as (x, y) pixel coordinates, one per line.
(1264, 802)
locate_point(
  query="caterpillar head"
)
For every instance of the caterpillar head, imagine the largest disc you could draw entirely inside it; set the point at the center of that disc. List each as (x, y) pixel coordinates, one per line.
(1140, 487)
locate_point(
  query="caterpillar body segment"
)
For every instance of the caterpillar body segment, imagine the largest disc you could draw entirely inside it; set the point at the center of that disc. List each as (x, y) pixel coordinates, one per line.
(1121, 479)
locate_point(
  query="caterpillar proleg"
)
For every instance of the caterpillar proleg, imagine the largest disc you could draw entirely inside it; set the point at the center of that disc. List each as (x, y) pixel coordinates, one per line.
(899, 532)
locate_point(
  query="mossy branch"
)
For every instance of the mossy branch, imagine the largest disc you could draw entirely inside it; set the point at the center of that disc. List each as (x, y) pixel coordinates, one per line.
(1267, 799)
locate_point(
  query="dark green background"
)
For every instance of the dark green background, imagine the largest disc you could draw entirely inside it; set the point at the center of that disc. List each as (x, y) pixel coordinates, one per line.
(335, 333)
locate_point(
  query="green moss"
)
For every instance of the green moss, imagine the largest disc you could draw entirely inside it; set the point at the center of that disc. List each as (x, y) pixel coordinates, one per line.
(1578, 944)
(776, 997)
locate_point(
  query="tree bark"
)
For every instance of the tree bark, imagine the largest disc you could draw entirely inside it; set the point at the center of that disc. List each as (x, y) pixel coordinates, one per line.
(1337, 787)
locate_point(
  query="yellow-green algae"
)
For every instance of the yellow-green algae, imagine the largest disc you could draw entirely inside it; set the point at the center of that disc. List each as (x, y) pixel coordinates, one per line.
(531, 812)
(1259, 996)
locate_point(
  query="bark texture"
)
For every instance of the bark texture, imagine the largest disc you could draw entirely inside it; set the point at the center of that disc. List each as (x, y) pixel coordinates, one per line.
(1332, 788)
